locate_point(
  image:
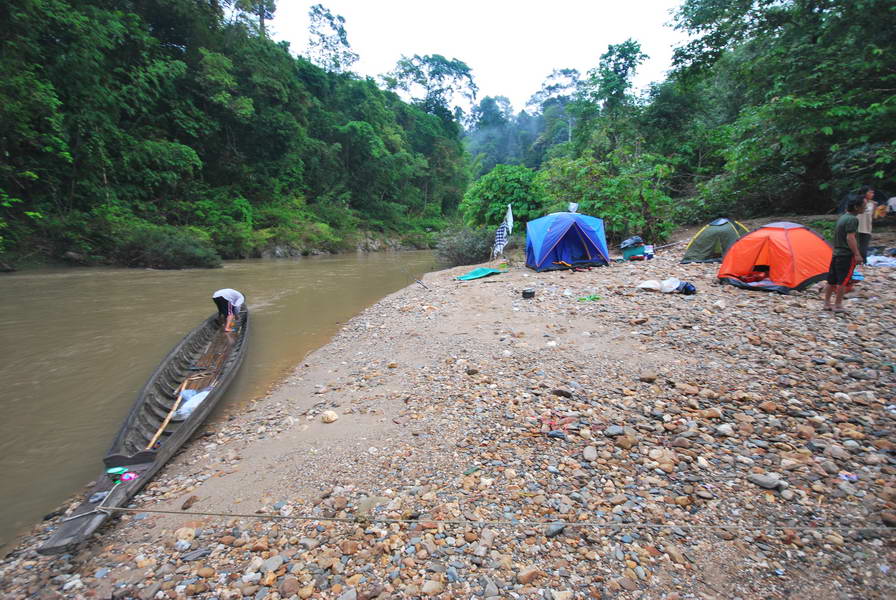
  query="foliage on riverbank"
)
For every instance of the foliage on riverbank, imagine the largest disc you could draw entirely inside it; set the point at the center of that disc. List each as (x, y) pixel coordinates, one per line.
(176, 133)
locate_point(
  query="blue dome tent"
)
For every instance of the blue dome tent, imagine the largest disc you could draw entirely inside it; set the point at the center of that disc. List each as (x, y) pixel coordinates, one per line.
(565, 237)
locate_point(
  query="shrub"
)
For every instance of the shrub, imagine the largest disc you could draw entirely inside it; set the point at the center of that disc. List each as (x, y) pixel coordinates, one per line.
(164, 247)
(464, 246)
(485, 203)
(626, 190)
(824, 228)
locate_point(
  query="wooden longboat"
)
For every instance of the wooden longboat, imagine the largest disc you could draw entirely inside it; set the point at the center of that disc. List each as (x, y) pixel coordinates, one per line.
(208, 357)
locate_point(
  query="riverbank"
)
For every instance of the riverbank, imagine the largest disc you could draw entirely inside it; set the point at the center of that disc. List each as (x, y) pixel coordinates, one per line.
(727, 444)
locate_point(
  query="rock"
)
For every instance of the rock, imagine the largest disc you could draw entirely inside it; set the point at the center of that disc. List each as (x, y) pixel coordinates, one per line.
(272, 564)
(289, 586)
(589, 453)
(687, 389)
(725, 429)
(432, 587)
(554, 529)
(528, 574)
(888, 517)
(328, 416)
(675, 554)
(769, 482)
(206, 572)
(613, 431)
(626, 441)
(349, 594)
(648, 377)
(196, 554)
(711, 413)
(189, 502)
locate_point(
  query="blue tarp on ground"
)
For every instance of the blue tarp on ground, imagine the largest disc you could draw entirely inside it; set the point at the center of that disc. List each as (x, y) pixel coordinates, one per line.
(571, 238)
(480, 272)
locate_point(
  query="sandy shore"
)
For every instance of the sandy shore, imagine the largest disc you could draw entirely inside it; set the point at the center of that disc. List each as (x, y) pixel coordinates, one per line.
(638, 445)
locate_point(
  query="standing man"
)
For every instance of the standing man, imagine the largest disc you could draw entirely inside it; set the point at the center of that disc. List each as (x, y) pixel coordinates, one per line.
(865, 219)
(229, 303)
(846, 255)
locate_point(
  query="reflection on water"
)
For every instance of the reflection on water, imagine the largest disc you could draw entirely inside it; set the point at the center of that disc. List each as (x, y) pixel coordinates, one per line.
(77, 345)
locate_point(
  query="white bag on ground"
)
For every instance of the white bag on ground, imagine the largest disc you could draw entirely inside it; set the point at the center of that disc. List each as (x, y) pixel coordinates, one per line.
(667, 286)
(650, 284)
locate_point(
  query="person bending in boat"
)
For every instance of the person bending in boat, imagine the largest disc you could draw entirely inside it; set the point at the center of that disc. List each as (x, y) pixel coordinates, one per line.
(230, 303)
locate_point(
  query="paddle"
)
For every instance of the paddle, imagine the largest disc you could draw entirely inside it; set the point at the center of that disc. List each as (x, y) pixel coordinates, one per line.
(180, 394)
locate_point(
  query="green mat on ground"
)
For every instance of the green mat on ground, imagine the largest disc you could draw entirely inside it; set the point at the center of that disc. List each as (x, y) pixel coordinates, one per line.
(480, 272)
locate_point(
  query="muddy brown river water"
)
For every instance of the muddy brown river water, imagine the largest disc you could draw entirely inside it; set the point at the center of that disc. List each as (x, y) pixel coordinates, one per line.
(77, 344)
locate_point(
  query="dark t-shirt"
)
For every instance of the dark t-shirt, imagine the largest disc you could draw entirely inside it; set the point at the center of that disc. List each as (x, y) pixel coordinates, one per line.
(847, 223)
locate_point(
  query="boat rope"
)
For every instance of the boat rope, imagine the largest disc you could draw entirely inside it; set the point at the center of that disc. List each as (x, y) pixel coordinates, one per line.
(362, 519)
(99, 507)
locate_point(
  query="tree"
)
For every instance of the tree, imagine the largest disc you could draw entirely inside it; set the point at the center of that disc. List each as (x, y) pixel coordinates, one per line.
(811, 121)
(609, 83)
(491, 138)
(433, 82)
(560, 86)
(328, 45)
(551, 102)
(262, 9)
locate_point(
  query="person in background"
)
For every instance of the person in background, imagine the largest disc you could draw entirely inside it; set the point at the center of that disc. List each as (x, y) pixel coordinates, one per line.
(865, 220)
(230, 303)
(845, 257)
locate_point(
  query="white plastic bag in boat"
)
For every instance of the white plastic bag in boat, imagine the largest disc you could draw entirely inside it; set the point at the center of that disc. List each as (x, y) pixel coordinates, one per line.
(193, 400)
(667, 286)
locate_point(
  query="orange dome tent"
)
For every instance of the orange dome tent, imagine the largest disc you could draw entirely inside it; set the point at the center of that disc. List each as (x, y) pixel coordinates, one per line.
(778, 257)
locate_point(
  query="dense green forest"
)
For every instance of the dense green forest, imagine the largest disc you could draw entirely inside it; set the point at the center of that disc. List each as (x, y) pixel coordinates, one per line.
(175, 132)
(774, 106)
(169, 132)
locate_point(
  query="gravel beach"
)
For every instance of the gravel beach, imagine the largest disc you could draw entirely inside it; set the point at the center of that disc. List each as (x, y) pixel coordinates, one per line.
(595, 441)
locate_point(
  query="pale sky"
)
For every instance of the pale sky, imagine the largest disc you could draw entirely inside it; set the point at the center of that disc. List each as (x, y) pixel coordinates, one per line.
(511, 46)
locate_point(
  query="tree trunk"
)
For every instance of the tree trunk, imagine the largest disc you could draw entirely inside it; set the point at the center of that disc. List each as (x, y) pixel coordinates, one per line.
(810, 198)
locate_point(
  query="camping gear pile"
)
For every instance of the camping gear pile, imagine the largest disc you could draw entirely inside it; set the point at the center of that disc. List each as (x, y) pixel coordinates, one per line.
(633, 248)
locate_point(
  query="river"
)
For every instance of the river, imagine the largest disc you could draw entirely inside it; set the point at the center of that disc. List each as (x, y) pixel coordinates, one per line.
(78, 344)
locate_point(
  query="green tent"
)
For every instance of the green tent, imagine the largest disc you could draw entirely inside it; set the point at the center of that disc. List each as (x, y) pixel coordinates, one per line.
(713, 241)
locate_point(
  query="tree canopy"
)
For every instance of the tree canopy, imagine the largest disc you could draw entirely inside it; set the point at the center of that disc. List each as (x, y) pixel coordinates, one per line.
(174, 118)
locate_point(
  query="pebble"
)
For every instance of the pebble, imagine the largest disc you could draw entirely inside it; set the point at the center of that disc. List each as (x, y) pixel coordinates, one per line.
(769, 482)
